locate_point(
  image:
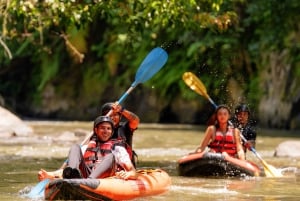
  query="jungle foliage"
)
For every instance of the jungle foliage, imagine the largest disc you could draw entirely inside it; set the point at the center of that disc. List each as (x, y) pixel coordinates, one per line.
(88, 43)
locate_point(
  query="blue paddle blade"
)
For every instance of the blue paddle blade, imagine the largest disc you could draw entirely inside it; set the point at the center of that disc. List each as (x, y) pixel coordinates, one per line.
(153, 62)
(38, 190)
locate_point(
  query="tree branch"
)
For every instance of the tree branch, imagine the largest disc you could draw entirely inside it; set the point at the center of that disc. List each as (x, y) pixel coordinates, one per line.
(5, 48)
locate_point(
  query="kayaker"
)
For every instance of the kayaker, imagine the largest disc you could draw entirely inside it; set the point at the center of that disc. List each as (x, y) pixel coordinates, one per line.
(245, 124)
(122, 129)
(222, 137)
(103, 157)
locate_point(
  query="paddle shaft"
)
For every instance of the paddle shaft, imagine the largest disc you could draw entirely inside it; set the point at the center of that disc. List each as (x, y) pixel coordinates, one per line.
(151, 64)
(212, 102)
(125, 94)
(251, 148)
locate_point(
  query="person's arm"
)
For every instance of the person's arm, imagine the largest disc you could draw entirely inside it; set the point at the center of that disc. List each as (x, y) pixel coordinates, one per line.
(249, 133)
(207, 138)
(133, 119)
(129, 173)
(239, 146)
(253, 134)
(123, 159)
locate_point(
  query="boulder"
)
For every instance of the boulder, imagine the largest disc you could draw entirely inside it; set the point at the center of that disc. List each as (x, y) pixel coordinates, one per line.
(67, 136)
(288, 149)
(11, 125)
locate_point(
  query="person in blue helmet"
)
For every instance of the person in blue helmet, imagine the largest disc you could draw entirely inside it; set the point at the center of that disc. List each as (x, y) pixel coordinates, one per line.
(242, 120)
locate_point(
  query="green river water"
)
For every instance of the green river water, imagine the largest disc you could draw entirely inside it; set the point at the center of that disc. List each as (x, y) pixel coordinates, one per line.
(158, 146)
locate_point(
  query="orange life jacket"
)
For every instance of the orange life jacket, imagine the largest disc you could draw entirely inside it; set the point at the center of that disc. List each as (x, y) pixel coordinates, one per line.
(224, 142)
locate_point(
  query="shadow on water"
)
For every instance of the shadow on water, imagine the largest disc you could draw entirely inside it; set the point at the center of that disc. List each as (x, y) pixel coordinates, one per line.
(168, 166)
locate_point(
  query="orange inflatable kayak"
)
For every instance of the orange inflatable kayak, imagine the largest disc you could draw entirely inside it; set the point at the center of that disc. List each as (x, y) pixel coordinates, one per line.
(215, 164)
(148, 183)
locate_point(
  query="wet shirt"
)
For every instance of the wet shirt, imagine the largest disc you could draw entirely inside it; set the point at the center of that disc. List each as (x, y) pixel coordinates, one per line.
(248, 131)
(121, 155)
(125, 132)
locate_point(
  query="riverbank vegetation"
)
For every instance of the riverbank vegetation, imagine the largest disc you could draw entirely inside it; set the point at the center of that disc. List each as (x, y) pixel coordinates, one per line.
(62, 60)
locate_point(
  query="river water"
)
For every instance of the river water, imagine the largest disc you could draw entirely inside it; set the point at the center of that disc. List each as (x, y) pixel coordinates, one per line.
(157, 146)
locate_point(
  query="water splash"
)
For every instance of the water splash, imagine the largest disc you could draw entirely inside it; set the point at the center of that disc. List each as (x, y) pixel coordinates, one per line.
(201, 190)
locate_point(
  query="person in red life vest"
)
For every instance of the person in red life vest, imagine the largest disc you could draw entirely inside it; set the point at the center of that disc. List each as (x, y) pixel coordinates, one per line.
(125, 123)
(245, 124)
(123, 130)
(103, 157)
(222, 137)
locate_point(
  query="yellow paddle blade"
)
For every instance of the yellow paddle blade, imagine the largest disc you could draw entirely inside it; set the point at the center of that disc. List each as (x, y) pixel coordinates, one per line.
(271, 171)
(195, 83)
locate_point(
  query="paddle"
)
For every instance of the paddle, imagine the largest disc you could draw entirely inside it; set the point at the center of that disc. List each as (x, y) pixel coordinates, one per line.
(271, 170)
(152, 63)
(38, 190)
(196, 85)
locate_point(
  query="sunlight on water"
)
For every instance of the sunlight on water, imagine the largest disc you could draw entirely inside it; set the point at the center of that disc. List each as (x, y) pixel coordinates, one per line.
(162, 152)
(44, 151)
(197, 190)
(157, 146)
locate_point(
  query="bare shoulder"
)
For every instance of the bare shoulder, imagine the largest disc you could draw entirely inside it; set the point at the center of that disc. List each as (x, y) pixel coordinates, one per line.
(211, 128)
(236, 131)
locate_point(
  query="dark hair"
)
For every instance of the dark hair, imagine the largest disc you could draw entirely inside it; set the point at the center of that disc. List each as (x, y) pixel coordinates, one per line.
(242, 108)
(217, 110)
(213, 118)
(222, 107)
(106, 108)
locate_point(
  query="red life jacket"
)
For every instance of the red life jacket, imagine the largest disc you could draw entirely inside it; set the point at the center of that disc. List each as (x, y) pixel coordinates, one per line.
(224, 142)
(96, 151)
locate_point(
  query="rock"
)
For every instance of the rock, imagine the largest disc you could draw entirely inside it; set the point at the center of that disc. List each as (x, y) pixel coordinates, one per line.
(11, 125)
(81, 132)
(67, 136)
(6, 133)
(288, 149)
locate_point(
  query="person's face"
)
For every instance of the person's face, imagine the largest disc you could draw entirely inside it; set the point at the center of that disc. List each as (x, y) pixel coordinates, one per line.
(104, 131)
(223, 115)
(115, 117)
(243, 117)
